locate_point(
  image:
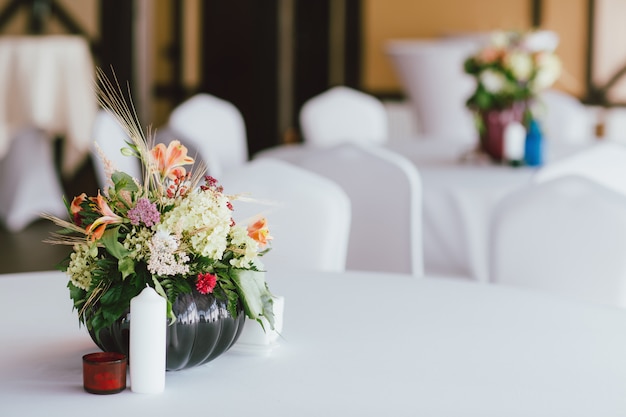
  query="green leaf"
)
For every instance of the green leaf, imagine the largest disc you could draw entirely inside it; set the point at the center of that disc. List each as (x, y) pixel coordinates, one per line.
(256, 298)
(159, 289)
(126, 266)
(123, 181)
(110, 240)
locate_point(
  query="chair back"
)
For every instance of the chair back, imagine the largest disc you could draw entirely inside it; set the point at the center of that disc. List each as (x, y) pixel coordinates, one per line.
(566, 236)
(111, 137)
(563, 117)
(343, 114)
(308, 215)
(386, 194)
(26, 193)
(213, 127)
(604, 162)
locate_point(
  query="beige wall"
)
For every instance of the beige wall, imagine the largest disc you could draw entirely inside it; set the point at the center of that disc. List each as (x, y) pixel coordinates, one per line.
(84, 12)
(390, 19)
(568, 18)
(610, 46)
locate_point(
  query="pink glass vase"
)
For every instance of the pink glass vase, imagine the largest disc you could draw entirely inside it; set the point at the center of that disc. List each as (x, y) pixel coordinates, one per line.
(494, 122)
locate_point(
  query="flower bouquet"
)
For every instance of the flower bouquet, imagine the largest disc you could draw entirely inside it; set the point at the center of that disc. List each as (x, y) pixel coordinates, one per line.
(171, 230)
(510, 71)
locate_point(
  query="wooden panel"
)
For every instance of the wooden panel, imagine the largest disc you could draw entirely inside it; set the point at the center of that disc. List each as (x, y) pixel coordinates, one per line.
(240, 62)
(389, 19)
(572, 30)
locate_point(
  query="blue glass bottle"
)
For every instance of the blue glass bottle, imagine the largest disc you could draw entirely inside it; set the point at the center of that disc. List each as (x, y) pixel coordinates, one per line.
(533, 152)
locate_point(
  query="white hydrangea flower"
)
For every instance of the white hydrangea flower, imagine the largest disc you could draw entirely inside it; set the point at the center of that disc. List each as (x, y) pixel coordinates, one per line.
(493, 81)
(136, 242)
(81, 266)
(247, 247)
(204, 219)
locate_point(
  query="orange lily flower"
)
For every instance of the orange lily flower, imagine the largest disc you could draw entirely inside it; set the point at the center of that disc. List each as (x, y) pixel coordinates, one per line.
(75, 208)
(259, 232)
(97, 228)
(170, 160)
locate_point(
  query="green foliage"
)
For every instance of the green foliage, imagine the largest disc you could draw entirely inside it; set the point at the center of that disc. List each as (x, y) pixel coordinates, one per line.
(255, 295)
(123, 182)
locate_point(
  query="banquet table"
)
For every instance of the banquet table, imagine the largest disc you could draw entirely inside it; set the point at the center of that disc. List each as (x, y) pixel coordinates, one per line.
(353, 343)
(459, 194)
(47, 82)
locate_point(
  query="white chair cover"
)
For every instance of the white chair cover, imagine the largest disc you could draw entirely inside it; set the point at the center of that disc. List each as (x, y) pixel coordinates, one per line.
(29, 183)
(604, 162)
(565, 236)
(386, 195)
(308, 215)
(110, 137)
(431, 72)
(563, 117)
(343, 114)
(215, 128)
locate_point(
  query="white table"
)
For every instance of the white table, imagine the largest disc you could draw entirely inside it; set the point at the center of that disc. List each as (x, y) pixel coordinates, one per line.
(355, 344)
(458, 200)
(48, 82)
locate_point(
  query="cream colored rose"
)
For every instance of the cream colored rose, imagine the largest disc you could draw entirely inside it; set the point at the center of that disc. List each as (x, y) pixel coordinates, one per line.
(500, 39)
(521, 65)
(548, 71)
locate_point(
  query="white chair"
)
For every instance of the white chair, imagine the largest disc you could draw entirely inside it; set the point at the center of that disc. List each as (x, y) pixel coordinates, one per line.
(565, 236)
(215, 128)
(431, 72)
(603, 162)
(563, 117)
(29, 181)
(110, 137)
(386, 194)
(343, 114)
(308, 215)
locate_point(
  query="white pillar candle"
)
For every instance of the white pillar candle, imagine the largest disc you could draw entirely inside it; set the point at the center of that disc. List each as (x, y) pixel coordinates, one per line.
(514, 141)
(148, 323)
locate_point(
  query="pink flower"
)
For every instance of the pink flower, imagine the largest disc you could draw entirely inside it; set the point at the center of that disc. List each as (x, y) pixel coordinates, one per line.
(97, 228)
(490, 54)
(259, 232)
(206, 283)
(170, 160)
(144, 212)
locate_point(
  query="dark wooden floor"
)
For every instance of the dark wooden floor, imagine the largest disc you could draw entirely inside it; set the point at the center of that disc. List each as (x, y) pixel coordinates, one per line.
(25, 251)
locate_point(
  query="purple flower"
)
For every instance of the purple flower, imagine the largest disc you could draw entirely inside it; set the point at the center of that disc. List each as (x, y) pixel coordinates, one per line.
(144, 212)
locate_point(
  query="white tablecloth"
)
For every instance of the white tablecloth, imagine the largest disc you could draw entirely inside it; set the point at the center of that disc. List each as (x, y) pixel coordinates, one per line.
(47, 90)
(354, 344)
(47, 82)
(458, 200)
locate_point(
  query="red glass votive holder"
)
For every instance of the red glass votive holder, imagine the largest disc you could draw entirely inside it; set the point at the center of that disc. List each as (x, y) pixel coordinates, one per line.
(104, 372)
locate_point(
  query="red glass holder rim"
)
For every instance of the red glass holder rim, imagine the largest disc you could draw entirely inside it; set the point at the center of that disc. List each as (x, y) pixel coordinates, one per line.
(104, 358)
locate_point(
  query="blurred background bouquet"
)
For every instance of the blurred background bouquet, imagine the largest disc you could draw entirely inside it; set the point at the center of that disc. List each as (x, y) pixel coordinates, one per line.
(513, 67)
(510, 72)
